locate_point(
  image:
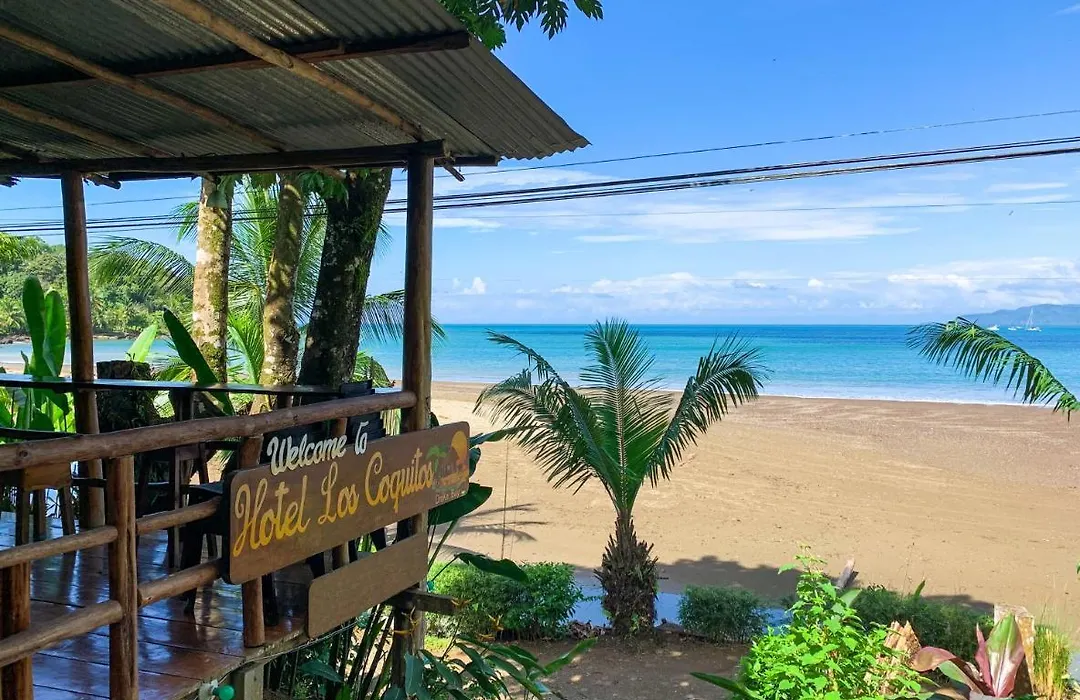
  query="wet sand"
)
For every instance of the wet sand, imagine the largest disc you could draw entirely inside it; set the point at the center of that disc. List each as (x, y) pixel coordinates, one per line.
(982, 502)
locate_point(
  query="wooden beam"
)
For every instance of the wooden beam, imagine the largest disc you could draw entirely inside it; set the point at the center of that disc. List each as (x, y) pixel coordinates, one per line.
(136, 440)
(76, 253)
(86, 133)
(182, 581)
(205, 18)
(29, 553)
(416, 365)
(123, 581)
(181, 516)
(310, 51)
(122, 168)
(139, 87)
(251, 591)
(16, 637)
(44, 636)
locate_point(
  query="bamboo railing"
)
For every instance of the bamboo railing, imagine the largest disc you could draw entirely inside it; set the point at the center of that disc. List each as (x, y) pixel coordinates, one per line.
(20, 638)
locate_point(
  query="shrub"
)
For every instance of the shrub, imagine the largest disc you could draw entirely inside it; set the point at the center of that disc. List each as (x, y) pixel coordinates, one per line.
(1051, 663)
(539, 609)
(721, 614)
(943, 625)
(826, 652)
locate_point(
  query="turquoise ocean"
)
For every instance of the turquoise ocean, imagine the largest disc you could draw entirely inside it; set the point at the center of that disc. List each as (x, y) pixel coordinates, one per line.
(871, 362)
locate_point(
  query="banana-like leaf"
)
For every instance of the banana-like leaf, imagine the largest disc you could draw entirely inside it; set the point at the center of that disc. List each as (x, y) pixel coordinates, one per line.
(953, 667)
(55, 341)
(140, 349)
(458, 508)
(191, 355)
(499, 567)
(33, 299)
(565, 659)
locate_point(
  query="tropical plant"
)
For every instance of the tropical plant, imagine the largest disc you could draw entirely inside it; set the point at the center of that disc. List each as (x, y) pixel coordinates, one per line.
(936, 624)
(724, 614)
(988, 356)
(998, 660)
(620, 431)
(824, 654)
(494, 606)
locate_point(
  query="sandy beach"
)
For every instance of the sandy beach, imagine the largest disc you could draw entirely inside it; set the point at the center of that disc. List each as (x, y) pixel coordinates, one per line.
(979, 501)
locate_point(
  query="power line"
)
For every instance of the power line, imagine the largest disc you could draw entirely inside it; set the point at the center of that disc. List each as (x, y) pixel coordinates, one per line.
(669, 183)
(662, 154)
(781, 142)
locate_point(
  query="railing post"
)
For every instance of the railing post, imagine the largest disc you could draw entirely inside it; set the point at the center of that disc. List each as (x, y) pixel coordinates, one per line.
(123, 579)
(16, 680)
(251, 591)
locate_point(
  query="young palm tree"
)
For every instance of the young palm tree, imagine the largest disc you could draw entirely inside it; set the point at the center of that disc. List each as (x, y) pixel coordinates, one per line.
(988, 356)
(620, 431)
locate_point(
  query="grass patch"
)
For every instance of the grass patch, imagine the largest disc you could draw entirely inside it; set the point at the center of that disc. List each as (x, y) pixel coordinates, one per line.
(942, 625)
(1051, 664)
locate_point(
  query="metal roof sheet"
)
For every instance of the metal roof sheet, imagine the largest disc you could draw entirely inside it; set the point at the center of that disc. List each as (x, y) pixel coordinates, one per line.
(465, 97)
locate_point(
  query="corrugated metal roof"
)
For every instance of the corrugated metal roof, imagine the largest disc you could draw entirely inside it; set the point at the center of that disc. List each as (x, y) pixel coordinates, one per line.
(465, 97)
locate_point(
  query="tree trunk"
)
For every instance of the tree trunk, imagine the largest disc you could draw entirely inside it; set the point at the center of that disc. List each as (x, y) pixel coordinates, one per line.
(210, 291)
(352, 227)
(281, 338)
(628, 576)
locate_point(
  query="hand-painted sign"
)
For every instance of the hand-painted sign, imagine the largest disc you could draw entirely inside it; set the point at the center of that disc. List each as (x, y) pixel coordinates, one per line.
(315, 495)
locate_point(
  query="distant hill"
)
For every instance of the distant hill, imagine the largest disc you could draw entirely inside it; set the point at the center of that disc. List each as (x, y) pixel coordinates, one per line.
(1043, 315)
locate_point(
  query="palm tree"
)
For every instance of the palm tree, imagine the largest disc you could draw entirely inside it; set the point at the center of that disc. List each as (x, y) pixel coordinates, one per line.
(210, 285)
(159, 266)
(621, 431)
(988, 356)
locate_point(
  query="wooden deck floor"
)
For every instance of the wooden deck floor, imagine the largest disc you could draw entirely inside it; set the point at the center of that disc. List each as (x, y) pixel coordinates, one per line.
(177, 650)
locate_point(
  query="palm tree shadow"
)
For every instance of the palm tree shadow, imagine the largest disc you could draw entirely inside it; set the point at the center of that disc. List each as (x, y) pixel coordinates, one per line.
(511, 529)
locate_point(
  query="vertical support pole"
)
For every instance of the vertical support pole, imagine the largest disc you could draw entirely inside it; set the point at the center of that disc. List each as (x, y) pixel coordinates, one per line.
(123, 579)
(251, 591)
(416, 363)
(16, 680)
(340, 553)
(91, 500)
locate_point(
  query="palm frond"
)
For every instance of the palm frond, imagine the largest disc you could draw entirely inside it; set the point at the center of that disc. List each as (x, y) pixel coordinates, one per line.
(987, 356)
(367, 367)
(14, 249)
(730, 375)
(186, 218)
(152, 265)
(382, 319)
(246, 344)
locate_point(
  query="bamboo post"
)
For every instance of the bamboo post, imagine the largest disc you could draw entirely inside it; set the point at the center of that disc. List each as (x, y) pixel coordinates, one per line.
(16, 680)
(251, 591)
(416, 362)
(91, 500)
(123, 580)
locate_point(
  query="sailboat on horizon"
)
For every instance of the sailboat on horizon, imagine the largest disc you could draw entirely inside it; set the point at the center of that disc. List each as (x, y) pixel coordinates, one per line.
(1031, 317)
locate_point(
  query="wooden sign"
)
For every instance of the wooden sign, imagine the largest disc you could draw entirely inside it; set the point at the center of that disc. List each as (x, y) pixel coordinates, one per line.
(314, 496)
(345, 593)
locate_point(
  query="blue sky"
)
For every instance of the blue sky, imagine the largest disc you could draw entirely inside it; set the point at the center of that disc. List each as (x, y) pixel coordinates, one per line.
(719, 73)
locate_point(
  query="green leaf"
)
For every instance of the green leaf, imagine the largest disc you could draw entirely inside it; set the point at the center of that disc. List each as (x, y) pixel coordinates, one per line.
(55, 341)
(140, 349)
(727, 684)
(414, 675)
(321, 669)
(191, 355)
(561, 661)
(394, 693)
(499, 567)
(33, 299)
(458, 508)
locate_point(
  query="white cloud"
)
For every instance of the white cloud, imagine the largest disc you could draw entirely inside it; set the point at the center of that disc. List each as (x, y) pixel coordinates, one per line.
(614, 238)
(477, 287)
(1070, 10)
(1026, 186)
(814, 283)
